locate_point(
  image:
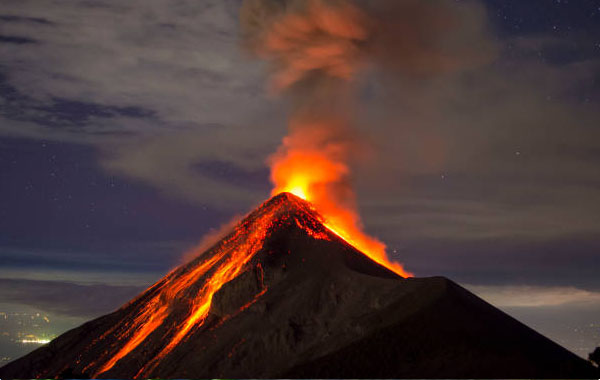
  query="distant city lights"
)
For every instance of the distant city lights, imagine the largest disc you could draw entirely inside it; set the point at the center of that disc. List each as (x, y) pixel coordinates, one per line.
(35, 341)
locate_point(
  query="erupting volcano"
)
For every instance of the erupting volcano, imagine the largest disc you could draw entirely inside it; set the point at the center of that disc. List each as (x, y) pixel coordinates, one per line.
(284, 295)
(319, 176)
(298, 173)
(297, 288)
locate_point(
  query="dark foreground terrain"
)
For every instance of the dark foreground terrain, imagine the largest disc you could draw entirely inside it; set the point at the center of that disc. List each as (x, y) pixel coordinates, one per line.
(304, 304)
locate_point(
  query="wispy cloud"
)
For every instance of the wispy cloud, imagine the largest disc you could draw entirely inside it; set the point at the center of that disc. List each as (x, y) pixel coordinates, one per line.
(535, 296)
(177, 59)
(160, 88)
(67, 298)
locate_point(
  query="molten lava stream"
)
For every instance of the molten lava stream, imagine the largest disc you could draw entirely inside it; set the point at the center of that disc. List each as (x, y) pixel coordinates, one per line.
(222, 275)
(372, 248)
(343, 223)
(156, 310)
(223, 266)
(319, 176)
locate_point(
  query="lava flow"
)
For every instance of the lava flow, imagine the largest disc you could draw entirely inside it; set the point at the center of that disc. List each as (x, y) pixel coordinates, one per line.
(213, 269)
(315, 176)
(149, 332)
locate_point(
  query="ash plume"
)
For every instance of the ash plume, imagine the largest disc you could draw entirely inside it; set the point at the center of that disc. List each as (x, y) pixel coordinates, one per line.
(316, 50)
(306, 39)
(310, 42)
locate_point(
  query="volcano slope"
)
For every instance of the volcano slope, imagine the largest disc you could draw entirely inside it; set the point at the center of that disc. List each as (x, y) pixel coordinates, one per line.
(282, 295)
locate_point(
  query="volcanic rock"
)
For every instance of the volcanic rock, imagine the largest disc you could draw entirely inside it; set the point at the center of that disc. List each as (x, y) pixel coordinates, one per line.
(299, 302)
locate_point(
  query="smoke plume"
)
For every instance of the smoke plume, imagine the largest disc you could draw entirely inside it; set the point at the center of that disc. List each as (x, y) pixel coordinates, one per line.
(316, 50)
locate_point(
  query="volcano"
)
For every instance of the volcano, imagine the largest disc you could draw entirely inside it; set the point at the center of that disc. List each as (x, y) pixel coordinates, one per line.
(284, 296)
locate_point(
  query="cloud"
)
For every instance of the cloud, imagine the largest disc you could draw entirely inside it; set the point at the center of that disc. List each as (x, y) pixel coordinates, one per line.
(216, 165)
(67, 298)
(495, 152)
(159, 89)
(180, 60)
(535, 296)
(413, 217)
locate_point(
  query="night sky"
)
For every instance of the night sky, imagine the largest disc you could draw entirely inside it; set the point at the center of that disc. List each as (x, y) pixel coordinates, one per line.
(129, 130)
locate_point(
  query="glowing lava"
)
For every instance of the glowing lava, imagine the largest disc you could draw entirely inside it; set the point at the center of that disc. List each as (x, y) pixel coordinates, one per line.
(315, 176)
(178, 305)
(178, 290)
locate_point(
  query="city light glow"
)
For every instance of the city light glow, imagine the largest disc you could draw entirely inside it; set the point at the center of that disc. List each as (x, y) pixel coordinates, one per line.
(35, 341)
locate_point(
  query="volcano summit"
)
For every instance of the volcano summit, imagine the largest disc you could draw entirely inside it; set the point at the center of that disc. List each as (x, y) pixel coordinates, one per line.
(284, 296)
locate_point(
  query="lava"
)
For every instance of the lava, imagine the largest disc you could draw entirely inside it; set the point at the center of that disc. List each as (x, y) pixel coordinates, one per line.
(177, 306)
(317, 176)
(221, 264)
(156, 311)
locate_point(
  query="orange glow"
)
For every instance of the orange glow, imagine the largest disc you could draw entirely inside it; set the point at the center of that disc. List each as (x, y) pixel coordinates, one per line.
(191, 288)
(298, 191)
(300, 170)
(222, 264)
(156, 311)
(153, 319)
(224, 273)
(315, 176)
(157, 315)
